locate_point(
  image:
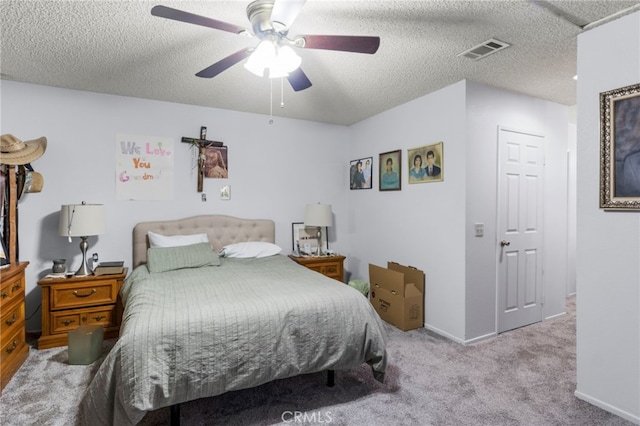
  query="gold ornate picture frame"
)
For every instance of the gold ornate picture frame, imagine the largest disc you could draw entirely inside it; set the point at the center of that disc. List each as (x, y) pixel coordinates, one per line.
(426, 163)
(620, 148)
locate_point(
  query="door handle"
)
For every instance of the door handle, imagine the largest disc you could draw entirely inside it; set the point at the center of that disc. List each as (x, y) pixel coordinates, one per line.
(504, 243)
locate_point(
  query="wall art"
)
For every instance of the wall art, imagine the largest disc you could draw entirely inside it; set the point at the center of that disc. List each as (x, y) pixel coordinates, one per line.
(390, 171)
(426, 163)
(360, 173)
(620, 148)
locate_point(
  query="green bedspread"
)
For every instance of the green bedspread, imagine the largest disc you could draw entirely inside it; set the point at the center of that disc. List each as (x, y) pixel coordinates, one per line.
(200, 332)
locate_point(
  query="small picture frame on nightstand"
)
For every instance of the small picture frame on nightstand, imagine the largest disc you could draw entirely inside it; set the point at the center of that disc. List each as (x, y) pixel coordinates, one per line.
(303, 235)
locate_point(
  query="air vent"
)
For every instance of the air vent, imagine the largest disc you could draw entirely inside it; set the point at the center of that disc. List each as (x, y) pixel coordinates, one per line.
(484, 49)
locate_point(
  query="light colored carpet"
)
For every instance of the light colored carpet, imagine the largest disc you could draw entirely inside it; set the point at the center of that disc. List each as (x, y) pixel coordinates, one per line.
(523, 377)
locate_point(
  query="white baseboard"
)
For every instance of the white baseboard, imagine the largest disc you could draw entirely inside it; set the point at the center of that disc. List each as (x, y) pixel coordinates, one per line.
(458, 340)
(607, 407)
(555, 316)
(480, 338)
(444, 334)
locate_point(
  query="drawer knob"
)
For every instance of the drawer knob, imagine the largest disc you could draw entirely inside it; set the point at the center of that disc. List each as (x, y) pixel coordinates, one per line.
(5, 295)
(76, 294)
(99, 317)
(67, 322)
(13, 347)
(17, 286)
(13, 319)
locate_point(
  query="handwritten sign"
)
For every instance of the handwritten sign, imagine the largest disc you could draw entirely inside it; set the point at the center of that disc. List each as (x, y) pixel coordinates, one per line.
(144, 168)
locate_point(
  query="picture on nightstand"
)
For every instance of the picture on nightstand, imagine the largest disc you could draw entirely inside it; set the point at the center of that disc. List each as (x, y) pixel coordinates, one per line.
(306, 236)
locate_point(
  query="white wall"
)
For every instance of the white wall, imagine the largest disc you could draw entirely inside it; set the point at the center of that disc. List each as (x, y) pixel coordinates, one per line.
(274, 170)
(423, 224)
(487, 109)
(608, 275)
(430, 225)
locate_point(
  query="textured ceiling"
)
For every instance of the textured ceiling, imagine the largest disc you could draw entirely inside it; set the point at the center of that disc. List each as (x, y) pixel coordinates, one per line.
(118, 47)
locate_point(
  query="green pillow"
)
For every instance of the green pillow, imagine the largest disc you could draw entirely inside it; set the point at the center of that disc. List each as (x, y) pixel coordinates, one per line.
(163, 259)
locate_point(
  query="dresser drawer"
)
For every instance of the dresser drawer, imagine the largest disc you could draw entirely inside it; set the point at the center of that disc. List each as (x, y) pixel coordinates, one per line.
(11, 320)
(65, 321)
(332, 271)
(11, 290)
(12, 345)
(64, 296)
(329, 266)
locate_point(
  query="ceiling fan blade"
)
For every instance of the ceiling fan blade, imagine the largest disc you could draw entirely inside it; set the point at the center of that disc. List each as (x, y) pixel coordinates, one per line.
(358, 44)
(190, 18)
(223, 64)
(284, 12)
(298, 80)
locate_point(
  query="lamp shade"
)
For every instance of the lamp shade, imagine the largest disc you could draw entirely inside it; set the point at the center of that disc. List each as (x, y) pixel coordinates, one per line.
(81, 220)
(318, 215)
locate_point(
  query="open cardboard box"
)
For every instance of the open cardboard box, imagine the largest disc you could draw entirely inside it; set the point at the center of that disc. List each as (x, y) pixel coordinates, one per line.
(397, 294)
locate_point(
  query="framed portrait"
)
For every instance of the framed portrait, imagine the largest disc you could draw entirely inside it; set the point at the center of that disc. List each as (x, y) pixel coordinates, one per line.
(620, 148)
(216, 164)
(304, 235)
(360, 173)
(390, 171)
(426, 163)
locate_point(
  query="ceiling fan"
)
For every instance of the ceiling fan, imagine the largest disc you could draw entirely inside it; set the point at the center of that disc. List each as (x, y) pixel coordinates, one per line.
(270, 22)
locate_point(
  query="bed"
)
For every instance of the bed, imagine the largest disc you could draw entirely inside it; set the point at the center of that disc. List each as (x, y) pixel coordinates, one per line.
(196, 332)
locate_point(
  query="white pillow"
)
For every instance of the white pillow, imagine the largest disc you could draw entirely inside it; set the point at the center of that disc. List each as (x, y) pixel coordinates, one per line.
(250, 249)
(157, 240)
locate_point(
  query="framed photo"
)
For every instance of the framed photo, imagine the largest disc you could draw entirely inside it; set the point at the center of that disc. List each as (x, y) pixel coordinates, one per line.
(620, 148)
(360, 173)
(426, 163)
(304, 235)
(216, 164)
(390, 170)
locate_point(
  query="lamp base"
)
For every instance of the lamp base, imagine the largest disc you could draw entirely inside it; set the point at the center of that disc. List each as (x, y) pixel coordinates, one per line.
(84, 267)
(319, 237)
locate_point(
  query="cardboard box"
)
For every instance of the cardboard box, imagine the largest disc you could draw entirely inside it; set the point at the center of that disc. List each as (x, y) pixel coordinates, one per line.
(397, 294)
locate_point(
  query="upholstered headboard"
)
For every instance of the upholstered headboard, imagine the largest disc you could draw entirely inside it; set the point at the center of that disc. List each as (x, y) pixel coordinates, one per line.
(221, 230)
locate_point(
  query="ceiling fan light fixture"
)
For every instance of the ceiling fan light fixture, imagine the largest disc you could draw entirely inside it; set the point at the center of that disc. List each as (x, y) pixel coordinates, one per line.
(273, 61)
(287, 59)
(262, 57)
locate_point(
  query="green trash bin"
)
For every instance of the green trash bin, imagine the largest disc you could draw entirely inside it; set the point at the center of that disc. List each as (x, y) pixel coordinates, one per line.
(360, 285)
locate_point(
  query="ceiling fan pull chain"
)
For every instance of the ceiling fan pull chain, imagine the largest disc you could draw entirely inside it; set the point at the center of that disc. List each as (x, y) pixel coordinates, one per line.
(271, 101)
(281, 92)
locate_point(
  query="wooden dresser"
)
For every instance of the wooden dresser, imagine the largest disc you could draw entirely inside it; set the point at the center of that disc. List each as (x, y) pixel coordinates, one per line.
(331, 266)
(71, 302)
(12, 329)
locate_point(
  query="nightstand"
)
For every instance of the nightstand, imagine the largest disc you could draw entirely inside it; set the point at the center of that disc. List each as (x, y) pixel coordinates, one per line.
(331, 266)
(74, 301)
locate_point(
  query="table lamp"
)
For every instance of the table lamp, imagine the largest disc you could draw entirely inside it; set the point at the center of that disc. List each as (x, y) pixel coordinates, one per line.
(318, 215)
(82, 220)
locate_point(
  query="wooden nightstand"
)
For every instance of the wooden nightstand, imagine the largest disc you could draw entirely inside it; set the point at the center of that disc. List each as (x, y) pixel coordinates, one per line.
(70, 302)
(331, 266)
(12, 329)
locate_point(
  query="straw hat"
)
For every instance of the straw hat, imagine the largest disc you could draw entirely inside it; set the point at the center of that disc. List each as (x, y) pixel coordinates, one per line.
(15, 152)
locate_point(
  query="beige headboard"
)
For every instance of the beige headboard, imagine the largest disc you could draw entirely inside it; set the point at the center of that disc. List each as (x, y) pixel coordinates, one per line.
(221, 229)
